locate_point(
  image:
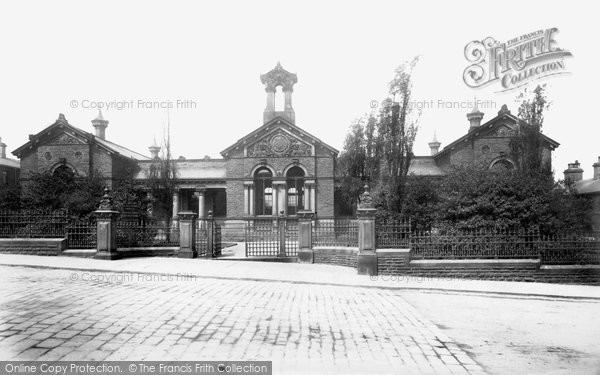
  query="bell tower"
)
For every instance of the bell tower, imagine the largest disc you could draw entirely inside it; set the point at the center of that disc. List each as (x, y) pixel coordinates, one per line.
(273, 79)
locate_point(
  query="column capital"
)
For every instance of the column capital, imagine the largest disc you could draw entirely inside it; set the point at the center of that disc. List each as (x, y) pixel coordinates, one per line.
(309, 182)
(186, 215)
(305, 215)
(248, 182)
(279, 182)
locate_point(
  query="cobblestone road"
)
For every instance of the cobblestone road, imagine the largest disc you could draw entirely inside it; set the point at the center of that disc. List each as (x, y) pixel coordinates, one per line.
(79, 315)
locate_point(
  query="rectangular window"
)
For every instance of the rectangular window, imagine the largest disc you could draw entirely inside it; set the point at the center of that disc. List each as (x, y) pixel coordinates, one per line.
(4, 177)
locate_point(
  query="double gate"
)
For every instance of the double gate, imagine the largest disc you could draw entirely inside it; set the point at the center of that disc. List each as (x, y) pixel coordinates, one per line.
(271, 237)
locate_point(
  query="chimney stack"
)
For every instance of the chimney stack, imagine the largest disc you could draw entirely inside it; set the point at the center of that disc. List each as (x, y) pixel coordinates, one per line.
(434, 145)
(2, 149)
(154, 150)
(597, 169)
(474, 117)
(100, 125)
(573, 173)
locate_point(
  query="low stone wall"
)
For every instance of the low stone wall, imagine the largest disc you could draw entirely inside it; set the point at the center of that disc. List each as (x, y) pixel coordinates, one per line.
(528, 270)
(392, 261)
(148, 252)
(341, 256)
(33, 246)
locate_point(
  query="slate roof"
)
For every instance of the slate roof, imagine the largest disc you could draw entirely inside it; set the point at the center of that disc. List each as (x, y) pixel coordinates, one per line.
(589, 186)
(424, 166)
(10, 163)
(199, 169)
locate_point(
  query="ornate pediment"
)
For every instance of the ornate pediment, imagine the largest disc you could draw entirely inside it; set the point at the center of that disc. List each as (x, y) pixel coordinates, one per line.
(65, 139)
(279, 144)
(502, 131)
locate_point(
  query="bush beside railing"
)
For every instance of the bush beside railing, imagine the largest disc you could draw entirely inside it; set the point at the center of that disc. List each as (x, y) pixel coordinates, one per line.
(475, 244)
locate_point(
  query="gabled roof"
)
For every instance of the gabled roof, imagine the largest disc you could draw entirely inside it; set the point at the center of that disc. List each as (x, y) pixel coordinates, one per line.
(424, 166)
(277, 122)
(503, 114)
(62, 125)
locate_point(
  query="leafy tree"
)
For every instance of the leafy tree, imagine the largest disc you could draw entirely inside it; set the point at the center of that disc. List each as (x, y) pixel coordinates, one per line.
(162, 177)
(351, 164)
(421, 201)
(10, 197)
(527, 145)
(63, 190)
(473, 198)
(378, 147)
(396, 131)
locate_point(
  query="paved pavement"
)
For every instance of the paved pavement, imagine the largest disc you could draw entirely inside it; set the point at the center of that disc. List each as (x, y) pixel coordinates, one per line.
(53, 314)
(306, 318)
(302, 273)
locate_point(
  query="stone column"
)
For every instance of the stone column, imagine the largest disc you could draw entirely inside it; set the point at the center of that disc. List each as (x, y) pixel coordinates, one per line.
(187, 235)
(201, 195)
(309, 199)
(175, 206)
(251, 200)
(106, 225)
(281, 223)
(367, 257)
(305, 251)
(248, 197)
(280, 197)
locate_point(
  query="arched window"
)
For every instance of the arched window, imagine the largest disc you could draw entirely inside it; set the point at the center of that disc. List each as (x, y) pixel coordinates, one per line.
(263, 191)
(502, 165)
(295, 190)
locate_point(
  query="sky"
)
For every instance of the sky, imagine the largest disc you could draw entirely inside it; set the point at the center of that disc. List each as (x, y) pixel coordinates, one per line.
(137, 56)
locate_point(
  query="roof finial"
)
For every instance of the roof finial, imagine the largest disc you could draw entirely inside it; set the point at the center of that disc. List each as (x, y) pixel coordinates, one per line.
(434, 136)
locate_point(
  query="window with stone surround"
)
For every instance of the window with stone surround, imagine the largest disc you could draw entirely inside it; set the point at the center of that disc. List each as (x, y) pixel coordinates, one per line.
(263, 192)
(295, 190)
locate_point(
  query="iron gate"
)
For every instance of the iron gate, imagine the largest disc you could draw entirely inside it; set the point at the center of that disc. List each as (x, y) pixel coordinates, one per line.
(271, 237)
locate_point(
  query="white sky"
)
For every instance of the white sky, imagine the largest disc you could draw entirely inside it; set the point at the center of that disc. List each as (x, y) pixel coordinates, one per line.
(213, 53)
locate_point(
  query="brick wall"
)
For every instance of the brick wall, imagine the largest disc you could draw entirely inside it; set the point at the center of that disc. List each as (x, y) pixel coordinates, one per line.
(33, 246)
(333, 255)
(529, 270)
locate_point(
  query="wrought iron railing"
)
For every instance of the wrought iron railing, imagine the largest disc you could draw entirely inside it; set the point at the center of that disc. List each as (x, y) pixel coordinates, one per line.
(335, 231)
(81, 234)
(392, 233)
(476, 244)
(571, 248)
(147, 234)
(208, 238)
(33, 223)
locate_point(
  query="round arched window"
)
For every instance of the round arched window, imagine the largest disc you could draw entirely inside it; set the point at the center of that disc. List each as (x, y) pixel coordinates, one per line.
(263, 191)
(295, 190)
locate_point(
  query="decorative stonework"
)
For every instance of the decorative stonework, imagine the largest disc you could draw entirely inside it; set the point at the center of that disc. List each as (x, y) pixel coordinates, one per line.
(279, 145)
(485, 149)
(503, 131)
(278, 77)
(78, 155)
(64, 139)
(48, 155)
